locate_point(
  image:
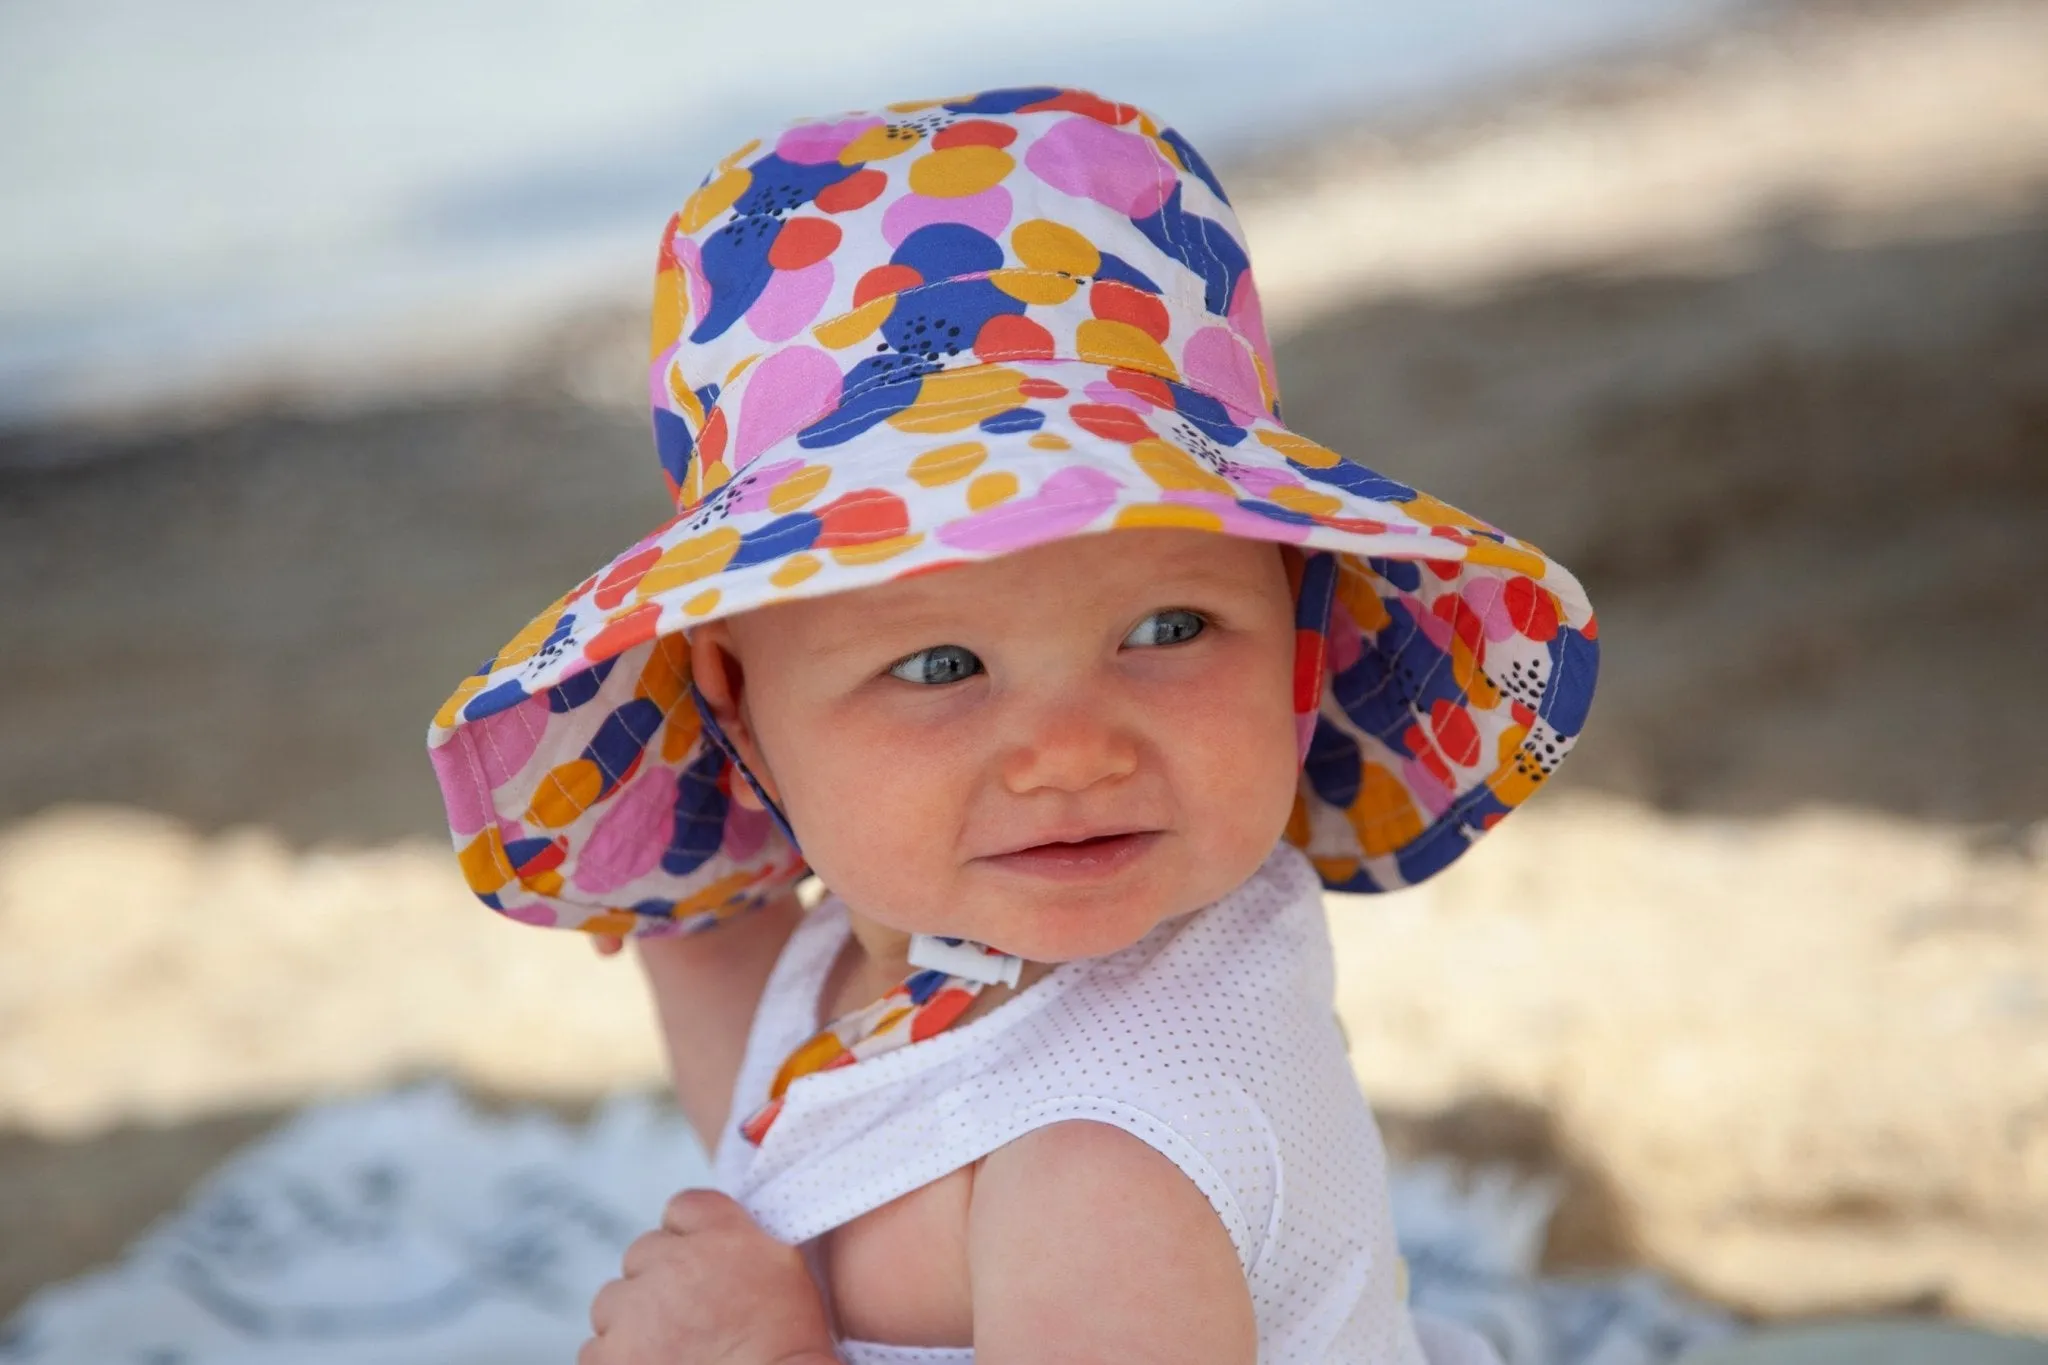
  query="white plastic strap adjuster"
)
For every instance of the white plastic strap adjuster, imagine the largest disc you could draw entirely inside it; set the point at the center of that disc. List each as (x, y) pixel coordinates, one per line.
(964, 957)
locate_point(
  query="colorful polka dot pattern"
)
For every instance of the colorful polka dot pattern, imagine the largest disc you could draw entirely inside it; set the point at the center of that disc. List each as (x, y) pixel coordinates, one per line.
(887, 342)
(924, 1003)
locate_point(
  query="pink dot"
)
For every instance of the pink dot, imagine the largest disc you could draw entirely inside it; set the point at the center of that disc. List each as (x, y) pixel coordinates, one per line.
(790, 302)
(1217, 362)
(788, 390)
(987, 212)
(631, 836)
(813, 144)
(1091, 160)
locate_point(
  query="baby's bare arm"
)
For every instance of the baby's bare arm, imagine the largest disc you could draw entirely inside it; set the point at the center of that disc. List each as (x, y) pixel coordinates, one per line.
(705, 989)
(1088, 1245)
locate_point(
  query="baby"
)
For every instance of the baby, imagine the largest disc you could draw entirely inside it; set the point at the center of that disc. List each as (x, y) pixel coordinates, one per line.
(999, 598)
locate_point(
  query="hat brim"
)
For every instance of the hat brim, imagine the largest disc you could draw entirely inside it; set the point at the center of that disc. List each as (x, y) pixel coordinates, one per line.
(583, 792)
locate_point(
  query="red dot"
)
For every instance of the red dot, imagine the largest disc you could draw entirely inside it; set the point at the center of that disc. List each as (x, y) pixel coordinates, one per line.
(1149, 387)
(1115, 301)
(634, 628)
(1081, 102)
(885, 279)
(1007, 336)
(974, 132)
(862, 517)
(856, 191)
(1456, 735)
(939, 1011)
(711, 441)
(1042, 388)
(619, 580)
(1110, 421)
(802, 242)
(1308, 671)
(1530, 609)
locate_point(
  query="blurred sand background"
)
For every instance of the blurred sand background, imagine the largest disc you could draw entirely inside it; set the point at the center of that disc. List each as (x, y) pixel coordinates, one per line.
(1752, 331)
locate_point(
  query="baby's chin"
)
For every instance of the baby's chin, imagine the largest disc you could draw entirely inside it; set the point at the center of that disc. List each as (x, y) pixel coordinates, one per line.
(1063, 926)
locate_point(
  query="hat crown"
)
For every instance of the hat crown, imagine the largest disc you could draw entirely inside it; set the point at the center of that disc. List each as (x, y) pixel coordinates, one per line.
(825, 274)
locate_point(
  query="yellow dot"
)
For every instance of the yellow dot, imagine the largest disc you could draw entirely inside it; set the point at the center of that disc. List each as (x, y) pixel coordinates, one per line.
(1298, 499)
(1103, 342)
(451, 709)
(794, 570)
(1045, 245)
(1046, 440)
(714, 199)
(483, 862)
(990, 489)
(846, 329)
(957, 172)
(799, 488)
(1177, 471)
(684, 397)
(610, 922)
(948, 464)
(695, 558)
(954, 400)
(1170, 515)
(679, 735)
(1299, 449)
(739, 154)
(1383, 814)
(1034, 286)
(879, 144)
(670, 305)
(701, 603)
(1493, 555)
(665, 680)
(875, 551)
(565, 793)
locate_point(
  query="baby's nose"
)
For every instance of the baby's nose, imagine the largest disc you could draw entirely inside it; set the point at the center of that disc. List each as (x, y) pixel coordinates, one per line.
(1070, 745)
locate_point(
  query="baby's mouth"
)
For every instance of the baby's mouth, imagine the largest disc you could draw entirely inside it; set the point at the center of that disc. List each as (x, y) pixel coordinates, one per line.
(1096, 857)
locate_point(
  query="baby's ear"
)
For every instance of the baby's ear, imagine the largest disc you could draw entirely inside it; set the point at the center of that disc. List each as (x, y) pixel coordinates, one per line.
(721, 680)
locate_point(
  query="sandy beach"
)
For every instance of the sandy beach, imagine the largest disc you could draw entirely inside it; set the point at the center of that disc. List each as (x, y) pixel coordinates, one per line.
(1752, 332)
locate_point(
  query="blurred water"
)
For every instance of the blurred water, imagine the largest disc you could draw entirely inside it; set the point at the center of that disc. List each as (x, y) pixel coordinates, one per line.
(213, 188)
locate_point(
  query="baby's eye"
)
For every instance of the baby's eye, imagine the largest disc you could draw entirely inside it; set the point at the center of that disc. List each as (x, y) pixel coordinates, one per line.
(1166, 628)
(939, 664)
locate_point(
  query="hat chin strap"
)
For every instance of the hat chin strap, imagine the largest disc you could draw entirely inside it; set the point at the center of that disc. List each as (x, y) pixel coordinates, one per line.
(977, 961)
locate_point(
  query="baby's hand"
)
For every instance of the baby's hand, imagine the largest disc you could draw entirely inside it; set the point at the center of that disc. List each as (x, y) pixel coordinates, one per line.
(607, 944)
(709, 1287)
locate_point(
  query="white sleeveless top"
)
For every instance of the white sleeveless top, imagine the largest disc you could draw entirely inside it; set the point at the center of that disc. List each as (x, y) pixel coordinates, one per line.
(1213, 1039)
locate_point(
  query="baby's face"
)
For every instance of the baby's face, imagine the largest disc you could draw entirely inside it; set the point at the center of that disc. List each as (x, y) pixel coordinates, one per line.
(1048, 752)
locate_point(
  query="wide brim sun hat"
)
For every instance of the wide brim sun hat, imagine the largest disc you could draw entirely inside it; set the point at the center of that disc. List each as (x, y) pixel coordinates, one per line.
(891, 341)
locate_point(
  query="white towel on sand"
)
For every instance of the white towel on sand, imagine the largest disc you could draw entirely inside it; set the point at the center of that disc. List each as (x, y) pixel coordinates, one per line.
(410, 1229)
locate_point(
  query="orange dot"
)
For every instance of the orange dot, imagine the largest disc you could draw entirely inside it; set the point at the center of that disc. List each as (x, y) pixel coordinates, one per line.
(802, 242)
(1115, 301)
(1007, 336)
(885, 279)
(635, 627)
(856, 191)
(1110, 421)
(975, 132)
(1149, 387)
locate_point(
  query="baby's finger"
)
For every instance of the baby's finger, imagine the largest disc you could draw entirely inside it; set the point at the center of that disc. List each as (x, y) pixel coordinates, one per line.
(648, 1250)
(604, 1309)
(607, 944)
(702, 1210)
